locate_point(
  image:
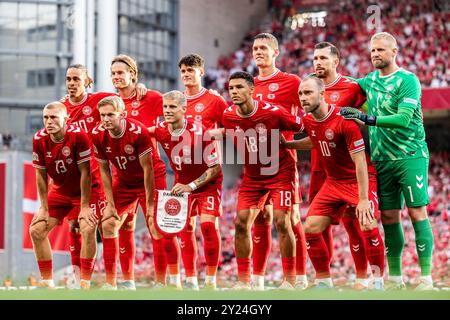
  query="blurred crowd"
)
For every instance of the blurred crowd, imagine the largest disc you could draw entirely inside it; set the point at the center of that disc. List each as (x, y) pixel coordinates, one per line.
(420, 27)
(342, 264)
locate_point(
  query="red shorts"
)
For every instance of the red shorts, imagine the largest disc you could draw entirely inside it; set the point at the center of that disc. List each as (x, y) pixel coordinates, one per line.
(205, 203)
(316, 182)
(280, 197)
(60, 206)
(334, 197)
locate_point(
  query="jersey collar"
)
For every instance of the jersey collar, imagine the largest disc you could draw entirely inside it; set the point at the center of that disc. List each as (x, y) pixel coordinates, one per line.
(255, 104)
(195, 96)
(327, 115)
(81, 102)
(328, 86)
(269, 76)
(123, 125)
(178, 132)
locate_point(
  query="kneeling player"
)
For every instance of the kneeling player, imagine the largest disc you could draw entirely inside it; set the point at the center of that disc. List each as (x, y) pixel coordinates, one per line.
(197, 170)
(341, 150)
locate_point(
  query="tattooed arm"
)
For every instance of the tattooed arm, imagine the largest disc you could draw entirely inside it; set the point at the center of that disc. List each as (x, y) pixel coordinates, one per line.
(210, 174)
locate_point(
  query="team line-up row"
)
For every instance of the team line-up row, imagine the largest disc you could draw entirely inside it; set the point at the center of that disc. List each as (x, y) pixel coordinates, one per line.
(100, 151)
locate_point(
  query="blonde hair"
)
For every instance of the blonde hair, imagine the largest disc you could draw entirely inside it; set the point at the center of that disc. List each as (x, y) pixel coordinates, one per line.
(114, 101)
(176, 95)
(385, 36)
(130, 62)
(56, 105)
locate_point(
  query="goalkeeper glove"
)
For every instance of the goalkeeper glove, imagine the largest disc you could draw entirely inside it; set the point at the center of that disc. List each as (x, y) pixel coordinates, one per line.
(352, 113)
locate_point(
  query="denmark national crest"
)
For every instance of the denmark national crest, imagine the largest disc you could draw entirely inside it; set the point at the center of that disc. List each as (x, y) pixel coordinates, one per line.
(329, 134)
(334, 96)
(260, 128)
(199, 107)
(87, 110)
(273, 87)
(66, 151)
(129, 149)
(172, 207)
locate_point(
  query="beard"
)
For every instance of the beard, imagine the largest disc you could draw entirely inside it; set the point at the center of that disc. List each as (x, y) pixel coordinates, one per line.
(381, 64)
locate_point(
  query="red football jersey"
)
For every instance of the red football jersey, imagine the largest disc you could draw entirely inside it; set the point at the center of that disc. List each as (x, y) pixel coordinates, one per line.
(343, 92)
(279, 88)
(123, 151)
(206, 108)
(189, 155)
(148, 111)
(86, 116)
(254, 139)
(335, 139)
(61, 159)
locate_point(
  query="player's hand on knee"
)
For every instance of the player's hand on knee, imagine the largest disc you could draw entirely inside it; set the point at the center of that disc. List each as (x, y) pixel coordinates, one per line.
(110, 212)
(41, 215)
(364, 213)
(89, 216)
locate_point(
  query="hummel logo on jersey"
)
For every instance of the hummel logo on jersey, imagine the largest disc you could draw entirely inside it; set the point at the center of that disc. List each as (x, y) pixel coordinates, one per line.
(355, 247)
(387, 250)
(49, 154)
(122, 250)
(72, 248)
(421, 247)
(256, 239)
(134, 129)
(166, 146)
(108, 149)
(375, 242)
(182, 244)
(313, 133)
(307, 245)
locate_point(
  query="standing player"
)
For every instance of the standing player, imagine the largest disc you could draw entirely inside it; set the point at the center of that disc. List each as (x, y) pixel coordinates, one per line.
(268, 172)
(125, 144)
(197, 170)
(82, 109)
(147, 110)
(397, 144)
(62, 152)
(280, 88)
(205, 108)
(339, 91)
(341, 151)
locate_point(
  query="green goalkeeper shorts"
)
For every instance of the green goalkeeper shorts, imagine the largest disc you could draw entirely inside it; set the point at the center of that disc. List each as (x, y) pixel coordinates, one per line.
(400, 180)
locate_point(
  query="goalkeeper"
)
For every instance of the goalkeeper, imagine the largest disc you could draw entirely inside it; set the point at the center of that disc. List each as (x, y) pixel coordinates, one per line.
(399, 150)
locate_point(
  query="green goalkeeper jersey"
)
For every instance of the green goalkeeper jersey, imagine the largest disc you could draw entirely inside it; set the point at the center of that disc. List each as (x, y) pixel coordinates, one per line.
(385, 94)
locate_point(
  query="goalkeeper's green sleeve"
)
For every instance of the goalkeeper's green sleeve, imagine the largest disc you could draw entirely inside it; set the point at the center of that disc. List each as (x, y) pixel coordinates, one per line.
(399, 120)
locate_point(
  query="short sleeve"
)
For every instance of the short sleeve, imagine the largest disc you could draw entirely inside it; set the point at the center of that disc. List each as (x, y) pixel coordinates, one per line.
(99, 153)
(353, 136)
(38, 154)
(83, 148)
(220, 106)
(144, 143)
(289, 122)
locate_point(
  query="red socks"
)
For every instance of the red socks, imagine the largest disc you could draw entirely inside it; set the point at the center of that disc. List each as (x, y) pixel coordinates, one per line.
(127, 253)
(75, 250)
(262, 244)
(327, 235)
(289, 269)
(300, 249)
(318, 254)
(159, 259)
(87, 268)
(46, 270)
(211, 240)
(110, 255)
(356, 243)
(189, 252)
(172, 251)
(375, 251)
(243, 265)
